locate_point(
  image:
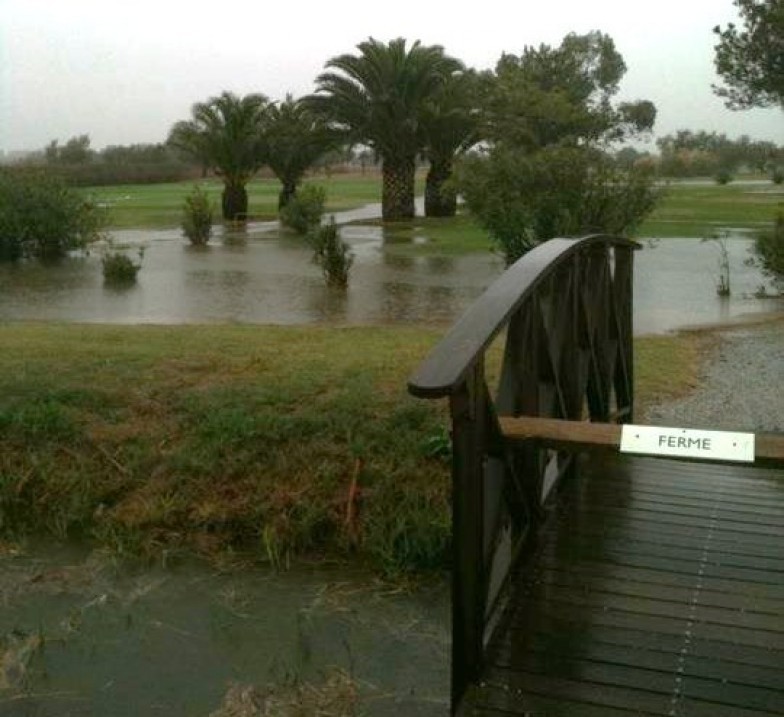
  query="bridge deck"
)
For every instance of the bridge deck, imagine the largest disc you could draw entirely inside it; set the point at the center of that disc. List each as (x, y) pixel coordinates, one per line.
(656, 589)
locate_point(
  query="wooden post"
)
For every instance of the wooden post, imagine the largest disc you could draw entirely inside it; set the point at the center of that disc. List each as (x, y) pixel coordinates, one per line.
(469, 428)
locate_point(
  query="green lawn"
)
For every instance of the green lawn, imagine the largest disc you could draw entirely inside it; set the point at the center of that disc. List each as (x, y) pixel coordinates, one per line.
(689, 210)
(160, 205)
(278, 441)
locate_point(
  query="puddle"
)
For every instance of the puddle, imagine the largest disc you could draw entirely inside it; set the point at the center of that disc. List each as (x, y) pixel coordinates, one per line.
(78, 636)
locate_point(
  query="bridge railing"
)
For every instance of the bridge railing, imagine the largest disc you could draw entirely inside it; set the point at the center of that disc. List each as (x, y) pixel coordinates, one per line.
(565, 313)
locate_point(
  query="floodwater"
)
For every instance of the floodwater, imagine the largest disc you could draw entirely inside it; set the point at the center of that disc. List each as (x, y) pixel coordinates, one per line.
(261, 275)
(80, 636)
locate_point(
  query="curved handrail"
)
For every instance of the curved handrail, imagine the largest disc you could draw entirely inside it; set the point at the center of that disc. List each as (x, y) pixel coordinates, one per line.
(450, 360)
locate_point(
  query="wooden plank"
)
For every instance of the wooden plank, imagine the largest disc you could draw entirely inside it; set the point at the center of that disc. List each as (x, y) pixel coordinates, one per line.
(615, 529)
(519, 685)
(691, 610)
(665, 519)
(619, 631)
(618, 557)
(668, 681)
(635, 652)
(586, 436)
(666, 633)
(603, 583)
(494, 699)
(771, 591)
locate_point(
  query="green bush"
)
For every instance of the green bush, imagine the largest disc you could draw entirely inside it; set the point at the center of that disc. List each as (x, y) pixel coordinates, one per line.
(197, 217)
(523, 198)
(723, 176)
(41, 217)
(777, 175)
(332, 254)
(119, 268)
(768, 250)
(305, 209)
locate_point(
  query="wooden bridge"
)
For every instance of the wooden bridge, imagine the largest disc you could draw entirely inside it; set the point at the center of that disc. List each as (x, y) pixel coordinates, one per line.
(586, 581)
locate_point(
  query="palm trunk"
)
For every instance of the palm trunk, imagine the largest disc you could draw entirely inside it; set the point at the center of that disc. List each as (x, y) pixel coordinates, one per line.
(397, 194)
(286, 193)
(439, 201)
(234, 201)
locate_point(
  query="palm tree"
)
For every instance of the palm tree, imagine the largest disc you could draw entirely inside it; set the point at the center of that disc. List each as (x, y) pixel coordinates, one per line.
(377, 97)
(295, 137)
(451, 126)
(226, 135)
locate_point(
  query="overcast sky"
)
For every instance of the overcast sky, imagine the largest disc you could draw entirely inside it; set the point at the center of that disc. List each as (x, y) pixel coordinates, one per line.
(124, 72)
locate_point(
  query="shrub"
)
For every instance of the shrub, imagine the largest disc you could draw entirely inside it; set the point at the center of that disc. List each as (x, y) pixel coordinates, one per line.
(305, 209)
(768, 250)
(41, 217)
(523, 198)
(777, 175)
(119, 268)
(197, 217)
(723, 285)
(332, 254)
(723, 176)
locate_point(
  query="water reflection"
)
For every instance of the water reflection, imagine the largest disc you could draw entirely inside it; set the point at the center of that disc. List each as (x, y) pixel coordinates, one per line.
(263, 275)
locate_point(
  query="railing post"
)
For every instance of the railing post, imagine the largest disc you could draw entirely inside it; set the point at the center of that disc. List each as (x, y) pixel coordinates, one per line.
(469, 440)
(623, 285)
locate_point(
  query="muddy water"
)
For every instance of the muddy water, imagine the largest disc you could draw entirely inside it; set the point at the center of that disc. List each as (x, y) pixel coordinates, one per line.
(262, 276)
(79, 636)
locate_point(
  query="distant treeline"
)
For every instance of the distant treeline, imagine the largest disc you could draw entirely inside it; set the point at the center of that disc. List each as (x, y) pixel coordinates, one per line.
(79, 165)
(709, 154)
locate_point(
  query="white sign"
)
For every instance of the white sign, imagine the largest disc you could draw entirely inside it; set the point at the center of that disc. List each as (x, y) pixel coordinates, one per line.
(688, 443)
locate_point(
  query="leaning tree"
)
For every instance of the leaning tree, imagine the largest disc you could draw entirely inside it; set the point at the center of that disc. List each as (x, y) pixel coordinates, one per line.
(225, 134)
(377, 98)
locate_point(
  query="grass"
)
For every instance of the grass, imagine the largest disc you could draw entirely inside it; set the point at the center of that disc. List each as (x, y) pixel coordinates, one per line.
(131, 206)
(273, 441)
(693, 210)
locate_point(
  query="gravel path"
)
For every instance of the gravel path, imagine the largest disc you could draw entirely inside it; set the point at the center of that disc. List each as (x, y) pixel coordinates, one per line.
(741, 387)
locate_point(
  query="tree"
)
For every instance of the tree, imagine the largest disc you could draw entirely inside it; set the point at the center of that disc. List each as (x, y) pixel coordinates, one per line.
(688, 153)
(549, 121)
(523, 198)
(42, 218)
(768, 250)
(750, 61)
(551, 95)
(377, 98)
(226, 134)
(451, 126)
(295, 137)
(75, 151)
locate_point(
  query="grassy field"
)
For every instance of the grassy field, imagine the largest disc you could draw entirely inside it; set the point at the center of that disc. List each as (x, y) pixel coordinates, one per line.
(274, 441)
(696, 210)
(160, 205)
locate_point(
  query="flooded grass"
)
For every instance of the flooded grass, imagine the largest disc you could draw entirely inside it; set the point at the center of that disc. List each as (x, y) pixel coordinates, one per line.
(336, 696)
(274, 442)
(701, 210)
(686, 210)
